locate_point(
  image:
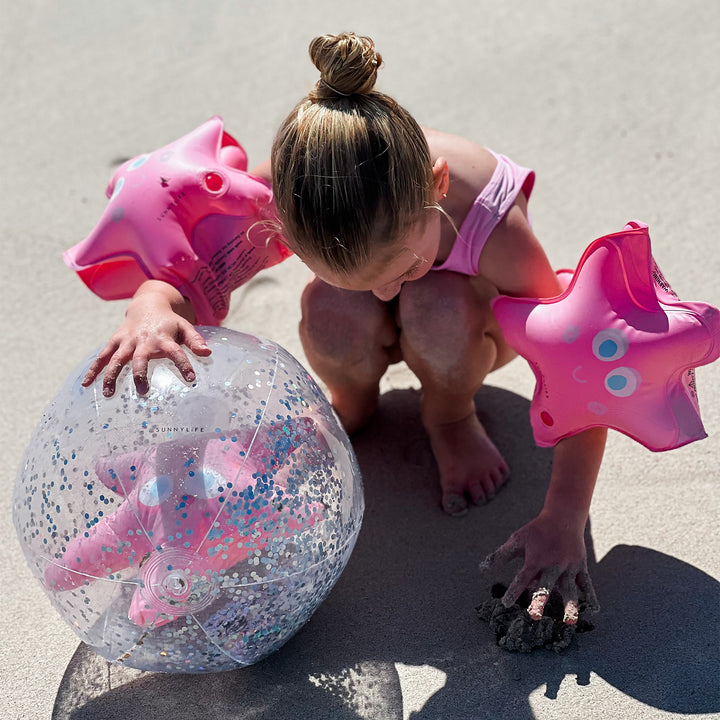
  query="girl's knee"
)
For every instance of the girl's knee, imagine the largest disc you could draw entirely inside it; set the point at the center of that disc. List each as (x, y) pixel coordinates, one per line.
(446, 305)
(449, 332)
(320, 302)
(340, 323)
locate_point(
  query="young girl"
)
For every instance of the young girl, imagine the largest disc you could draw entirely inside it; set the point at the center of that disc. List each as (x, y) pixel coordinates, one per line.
(410, 233)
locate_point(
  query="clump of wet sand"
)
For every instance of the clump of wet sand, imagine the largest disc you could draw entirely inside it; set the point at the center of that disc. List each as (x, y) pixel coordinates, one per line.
(516, 631)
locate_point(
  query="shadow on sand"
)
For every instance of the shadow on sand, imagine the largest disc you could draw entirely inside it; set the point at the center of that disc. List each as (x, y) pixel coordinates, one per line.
(404, 609)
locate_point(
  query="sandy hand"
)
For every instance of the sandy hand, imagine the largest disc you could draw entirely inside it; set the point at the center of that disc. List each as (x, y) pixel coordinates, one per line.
(554, 557)
(152, 329)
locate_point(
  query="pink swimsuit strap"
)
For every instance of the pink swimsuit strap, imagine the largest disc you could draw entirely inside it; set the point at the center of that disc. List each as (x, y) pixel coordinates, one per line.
(490, 207)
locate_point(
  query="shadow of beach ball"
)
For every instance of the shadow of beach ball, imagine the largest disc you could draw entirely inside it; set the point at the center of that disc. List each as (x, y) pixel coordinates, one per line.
(198, 527)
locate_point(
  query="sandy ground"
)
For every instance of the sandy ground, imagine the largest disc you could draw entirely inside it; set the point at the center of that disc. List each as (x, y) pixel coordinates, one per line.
(617, 107)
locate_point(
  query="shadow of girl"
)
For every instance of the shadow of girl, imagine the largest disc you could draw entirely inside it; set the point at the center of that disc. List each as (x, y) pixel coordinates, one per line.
(406, 600)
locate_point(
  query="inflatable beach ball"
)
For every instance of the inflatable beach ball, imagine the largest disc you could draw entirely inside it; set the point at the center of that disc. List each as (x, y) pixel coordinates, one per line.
(198, 527)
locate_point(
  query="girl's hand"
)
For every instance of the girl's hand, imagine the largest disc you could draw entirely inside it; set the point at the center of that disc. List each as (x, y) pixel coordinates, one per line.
(555, 556)
(152, 329)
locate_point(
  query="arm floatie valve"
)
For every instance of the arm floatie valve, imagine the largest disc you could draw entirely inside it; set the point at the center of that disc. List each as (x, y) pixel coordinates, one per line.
(616, 349)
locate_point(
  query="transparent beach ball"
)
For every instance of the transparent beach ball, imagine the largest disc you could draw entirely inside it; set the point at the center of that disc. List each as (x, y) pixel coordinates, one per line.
(198, 527)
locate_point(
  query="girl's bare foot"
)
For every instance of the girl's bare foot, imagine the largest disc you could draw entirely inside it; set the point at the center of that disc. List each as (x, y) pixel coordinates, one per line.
(469, 463)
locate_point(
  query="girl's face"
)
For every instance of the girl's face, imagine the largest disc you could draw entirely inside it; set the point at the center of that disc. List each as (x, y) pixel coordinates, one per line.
(408, 259)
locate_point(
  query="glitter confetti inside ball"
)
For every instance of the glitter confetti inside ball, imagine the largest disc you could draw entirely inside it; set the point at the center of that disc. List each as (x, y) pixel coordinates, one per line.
(198, 527)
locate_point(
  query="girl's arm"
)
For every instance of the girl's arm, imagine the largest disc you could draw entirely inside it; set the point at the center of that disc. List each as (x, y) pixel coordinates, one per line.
(553, 544)
(263, 171)
(157, 322)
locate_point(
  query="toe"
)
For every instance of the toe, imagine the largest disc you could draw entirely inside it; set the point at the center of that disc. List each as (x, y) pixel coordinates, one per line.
(481, 494)
(454, 504)
(501, 477)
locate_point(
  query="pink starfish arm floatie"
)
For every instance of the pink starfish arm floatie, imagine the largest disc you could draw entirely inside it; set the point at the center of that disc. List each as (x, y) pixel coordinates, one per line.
(616, 349)
(191, 510)
(189, 214)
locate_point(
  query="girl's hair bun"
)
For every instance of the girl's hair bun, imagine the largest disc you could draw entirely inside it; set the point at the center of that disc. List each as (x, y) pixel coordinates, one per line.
(348, 65)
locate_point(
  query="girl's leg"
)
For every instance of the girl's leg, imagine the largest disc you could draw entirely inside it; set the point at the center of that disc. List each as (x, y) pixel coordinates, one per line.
(349, 339)
(450, 339)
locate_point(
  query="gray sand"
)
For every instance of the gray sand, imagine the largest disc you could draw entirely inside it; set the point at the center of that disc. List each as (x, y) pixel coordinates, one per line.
(617, 107)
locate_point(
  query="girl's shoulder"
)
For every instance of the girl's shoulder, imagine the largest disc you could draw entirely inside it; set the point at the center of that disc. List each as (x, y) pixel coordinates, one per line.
(466, 158)
(471, 165)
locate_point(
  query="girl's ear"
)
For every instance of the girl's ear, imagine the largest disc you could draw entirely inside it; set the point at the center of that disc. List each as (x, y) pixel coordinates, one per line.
(441, 178)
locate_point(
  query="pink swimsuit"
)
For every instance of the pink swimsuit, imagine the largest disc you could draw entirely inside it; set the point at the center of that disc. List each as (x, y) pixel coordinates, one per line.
(490, 207)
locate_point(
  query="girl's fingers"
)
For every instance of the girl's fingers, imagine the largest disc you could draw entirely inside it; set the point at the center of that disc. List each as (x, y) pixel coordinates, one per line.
(504, 554)
(518, 584)
(114, 367)
(195, 342)
(97, 365)
(569, 592)
(140, 373)
(539, 599)
(585, 584)
(92, 372)
(542, 593)
(572, 612)
(182, 363)
(113, 358)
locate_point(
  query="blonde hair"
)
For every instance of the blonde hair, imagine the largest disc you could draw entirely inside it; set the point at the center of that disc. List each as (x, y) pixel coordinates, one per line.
(351, 168)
